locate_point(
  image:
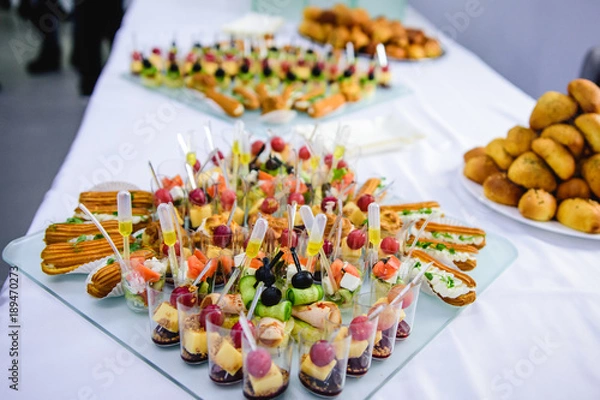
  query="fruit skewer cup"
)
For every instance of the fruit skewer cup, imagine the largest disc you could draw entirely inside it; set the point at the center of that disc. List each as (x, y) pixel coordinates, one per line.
(164, 318)
(387, 324)
(363, 330)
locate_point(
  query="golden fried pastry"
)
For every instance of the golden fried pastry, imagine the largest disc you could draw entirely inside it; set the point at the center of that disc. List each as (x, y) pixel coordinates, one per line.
(396, 51)
(398, 29)
(518, 140)
(479, 168)
(531, 172)
(474, 152)
(495, 150)
(589, 124)
(311, 13)
(591, 173)
(416, 36)
(104, 281)
(338, 37)
(382, 33)
(580, 214)
(63, 232)
(416, 52)
(327, 17)
(327, 105)
(249, 98)
(358, 38)
(556, 156)
(586, 93)
(537, 204)
(313, 30)
(343, 14)
(500, 189)
(360, 16)
(139, 198)
(390, 223)
(399, 41)
(230, 105)
(566, 135)
(573, 188)
(552, 107)
(368, 187)
(432, 48)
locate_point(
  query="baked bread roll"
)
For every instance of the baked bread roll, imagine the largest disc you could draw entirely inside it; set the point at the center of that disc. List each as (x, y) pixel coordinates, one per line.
(518, 140)
(566, 135)
(500, 189)
(589, 124)
(573, 188)
(479, 168)
(556, 156)
(586, 93)
(591, 173)
(552, 107)
(580, 214)
(474, 152)
(537, 204)
(531, 172)
(495, 150)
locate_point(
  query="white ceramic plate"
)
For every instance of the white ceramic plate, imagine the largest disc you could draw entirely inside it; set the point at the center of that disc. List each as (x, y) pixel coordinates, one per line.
(512, 212)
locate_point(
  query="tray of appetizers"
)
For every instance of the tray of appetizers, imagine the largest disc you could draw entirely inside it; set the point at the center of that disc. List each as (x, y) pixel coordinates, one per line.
(265, 85)
(344, 286)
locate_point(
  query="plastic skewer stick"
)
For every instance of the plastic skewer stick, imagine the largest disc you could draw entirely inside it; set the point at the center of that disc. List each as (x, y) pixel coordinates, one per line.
(230, 218)
(154, 176)
(247, 331)
(182, 264)
(325, 263)
(229, 285)
(203, 272)
(418, 235)
(191, 176)
(291, 209)
(414, 282)
(259, 289)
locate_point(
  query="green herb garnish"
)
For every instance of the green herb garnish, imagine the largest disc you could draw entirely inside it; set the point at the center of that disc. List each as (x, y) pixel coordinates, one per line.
(134, 247)
(428, 275)
(98, 236)
(74, 220)
(338, 174)
(110, 261)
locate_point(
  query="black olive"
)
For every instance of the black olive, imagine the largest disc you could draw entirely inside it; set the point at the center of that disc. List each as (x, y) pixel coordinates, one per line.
(146, 63)
(271, 164)
(371, 76)
(309, 51)
(290, 76)
(263, 274)
(220, 73)
(270, 296)
(289, 169)
(245, 68)
(218, 46)
(302, 280)
(316, 71)
(196, 67)
(173, 67)
(267, 71)
(273, 49)
(197, 45)
(347, 73)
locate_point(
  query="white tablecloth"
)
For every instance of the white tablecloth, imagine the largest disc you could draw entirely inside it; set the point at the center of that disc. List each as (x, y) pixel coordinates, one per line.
(533, 334)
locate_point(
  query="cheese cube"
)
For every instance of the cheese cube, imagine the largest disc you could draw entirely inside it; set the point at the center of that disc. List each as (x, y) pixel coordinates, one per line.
(357, 348)
(195, 341)
(228, 358)
(319, 373)
(166, 316)
(350, 282)
(269, 383)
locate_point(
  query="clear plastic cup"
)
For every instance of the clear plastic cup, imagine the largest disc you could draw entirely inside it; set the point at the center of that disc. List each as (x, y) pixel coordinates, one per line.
(409, 305)
(260, 381)
(164, 319)
(323, 360)
(385, 337)
(194, 346)
(225, 360)
(363, 332)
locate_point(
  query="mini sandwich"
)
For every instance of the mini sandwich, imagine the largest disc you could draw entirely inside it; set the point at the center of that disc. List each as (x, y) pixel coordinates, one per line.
(304, 101)
(452, 234)
(232, 107)
(140, 216)
(450, 285)
(61, 258)
(139, 199)
(248, 97)
(462, 255)
(75, 228)
(327, 105)
(416, 211)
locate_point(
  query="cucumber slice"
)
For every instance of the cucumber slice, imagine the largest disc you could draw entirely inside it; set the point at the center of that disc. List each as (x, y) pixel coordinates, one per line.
(247, 289)
(281, 311)
(346, 295)
(204, 288)
(309, 295)
(309, 332)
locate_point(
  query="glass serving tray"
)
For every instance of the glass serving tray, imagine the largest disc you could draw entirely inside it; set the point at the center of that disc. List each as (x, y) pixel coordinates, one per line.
(131, 330)
(194, 99)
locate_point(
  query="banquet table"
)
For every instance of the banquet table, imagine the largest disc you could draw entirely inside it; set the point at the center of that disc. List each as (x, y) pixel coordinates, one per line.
(532, 334)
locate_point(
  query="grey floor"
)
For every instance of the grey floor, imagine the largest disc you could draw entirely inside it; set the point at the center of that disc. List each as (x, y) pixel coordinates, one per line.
(39, 117)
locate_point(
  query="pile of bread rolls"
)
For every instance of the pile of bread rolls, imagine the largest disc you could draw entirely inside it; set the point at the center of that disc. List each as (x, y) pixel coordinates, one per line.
(340, 25)
(550, 169)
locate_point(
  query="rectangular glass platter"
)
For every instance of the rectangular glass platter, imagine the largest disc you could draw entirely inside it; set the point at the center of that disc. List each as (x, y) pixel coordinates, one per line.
(131, 329)
(193, 99)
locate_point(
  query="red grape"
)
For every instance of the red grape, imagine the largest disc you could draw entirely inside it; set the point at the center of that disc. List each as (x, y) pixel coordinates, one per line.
(162, 196)
(328, 199)
(283, 240)
(156, 50)
(214, 158)
(222, 236)
(197, 166)
(327, 247)
(197, 197)
(258, 362)
(137, 56)
(342, 164)
(304, 153)
(212, 313)
(387, 319)
(356, 239)
(277, 144)
(187, 297)
(165, 249)
(296, 197)
(237, 332)
(364, 201)
(389, 245)
(256, 146)
(395, 291)
(328, 160)
(361, 328)
(322, 353)
(228, 197)
(269, 205)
